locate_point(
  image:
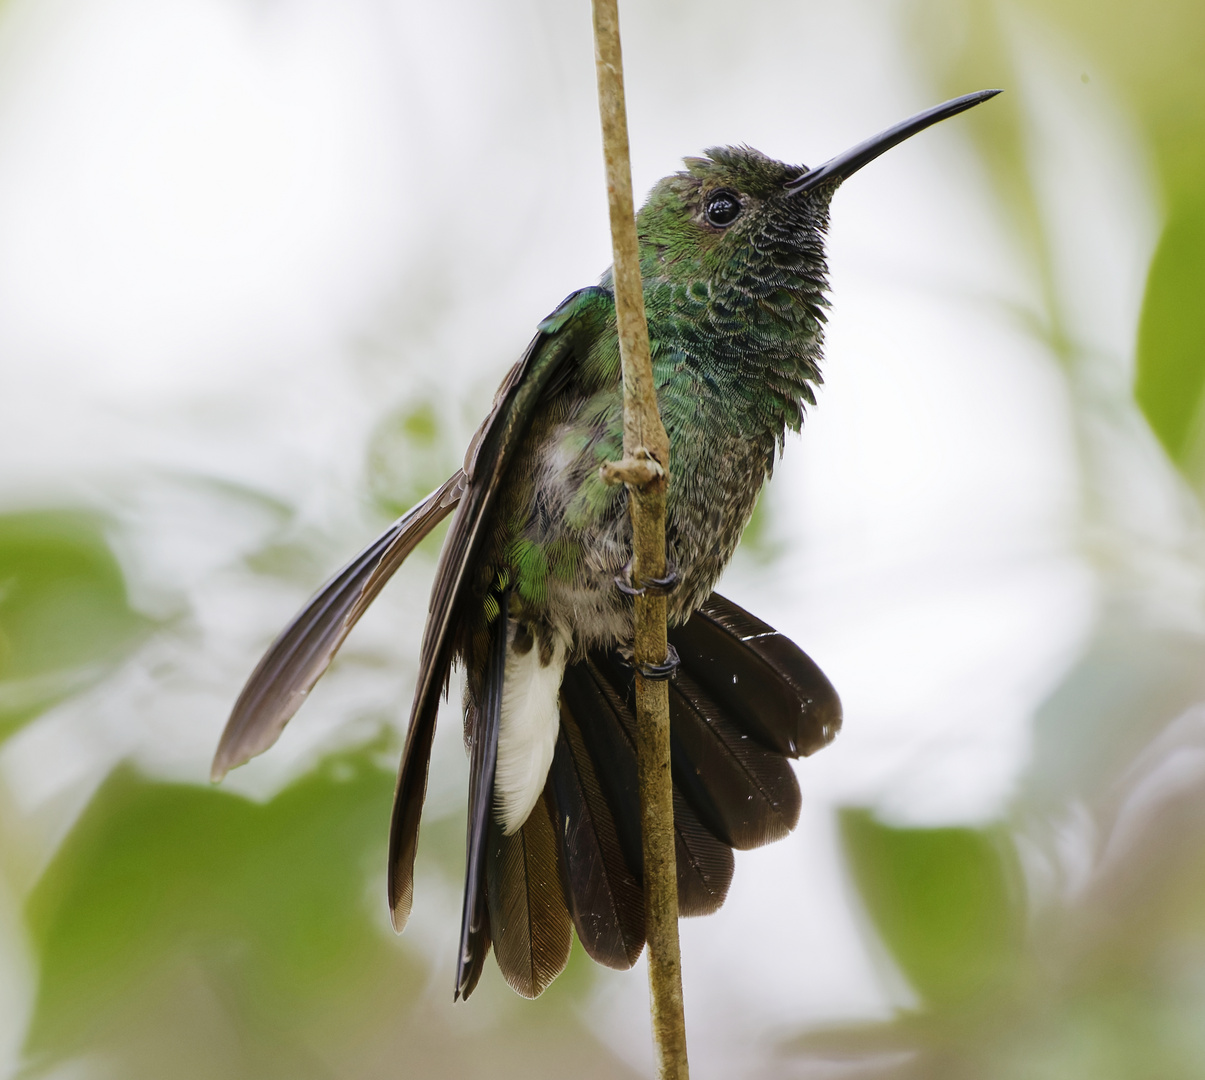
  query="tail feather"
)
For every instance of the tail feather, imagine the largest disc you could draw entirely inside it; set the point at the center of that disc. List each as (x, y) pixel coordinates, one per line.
(704, 862)
(759, 679)
(528, 917)
(605, 897)
(596, 709)
(745, 794)
(743, 701)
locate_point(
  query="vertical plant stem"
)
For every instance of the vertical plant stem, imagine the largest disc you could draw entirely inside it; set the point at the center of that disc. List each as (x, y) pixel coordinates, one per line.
(644, 438)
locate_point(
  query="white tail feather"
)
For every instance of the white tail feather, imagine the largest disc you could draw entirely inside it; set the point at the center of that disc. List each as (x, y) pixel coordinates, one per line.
(527, 731)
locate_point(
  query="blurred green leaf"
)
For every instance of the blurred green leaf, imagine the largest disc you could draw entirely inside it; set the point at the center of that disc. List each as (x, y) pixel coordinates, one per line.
(64, 612)
(1170, 380)
(407, 457)
(1158, 54)
(947, 902)
(162, 889)
(1107, 981)
(184, 932)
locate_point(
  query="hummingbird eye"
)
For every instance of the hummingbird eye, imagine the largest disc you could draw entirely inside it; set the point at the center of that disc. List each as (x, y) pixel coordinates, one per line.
(723, 208)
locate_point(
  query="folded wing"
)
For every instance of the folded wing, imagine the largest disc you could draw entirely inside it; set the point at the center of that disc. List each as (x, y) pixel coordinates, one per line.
(541, 369)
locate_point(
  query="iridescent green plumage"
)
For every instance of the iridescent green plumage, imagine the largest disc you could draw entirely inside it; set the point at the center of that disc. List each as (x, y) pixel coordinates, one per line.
(735, 317)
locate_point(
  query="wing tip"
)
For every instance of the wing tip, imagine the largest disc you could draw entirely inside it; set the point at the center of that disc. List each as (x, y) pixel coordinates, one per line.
(401, 901)
(235, 748)
(225, 758)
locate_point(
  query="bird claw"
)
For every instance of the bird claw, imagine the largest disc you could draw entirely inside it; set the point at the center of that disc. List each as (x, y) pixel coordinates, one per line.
(665, 670)
(661, 586)
(655, 672)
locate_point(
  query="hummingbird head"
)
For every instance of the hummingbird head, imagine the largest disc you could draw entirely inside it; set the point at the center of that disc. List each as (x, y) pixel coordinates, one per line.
(732, 256)
(704, 223)
(736, 208)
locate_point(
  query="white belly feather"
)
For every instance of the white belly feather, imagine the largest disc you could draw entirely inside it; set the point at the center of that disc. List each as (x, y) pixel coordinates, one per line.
(527, 731)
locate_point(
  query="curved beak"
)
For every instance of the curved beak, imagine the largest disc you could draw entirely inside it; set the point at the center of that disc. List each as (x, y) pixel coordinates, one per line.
(845, 165)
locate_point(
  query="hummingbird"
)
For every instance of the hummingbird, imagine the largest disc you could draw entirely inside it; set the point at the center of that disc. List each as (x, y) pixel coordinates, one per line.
(533, 590)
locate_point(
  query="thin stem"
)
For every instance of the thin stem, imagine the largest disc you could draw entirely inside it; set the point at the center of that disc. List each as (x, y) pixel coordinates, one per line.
(644, 437)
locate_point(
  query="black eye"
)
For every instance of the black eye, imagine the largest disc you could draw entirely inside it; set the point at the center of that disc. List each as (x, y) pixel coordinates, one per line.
(723, 208)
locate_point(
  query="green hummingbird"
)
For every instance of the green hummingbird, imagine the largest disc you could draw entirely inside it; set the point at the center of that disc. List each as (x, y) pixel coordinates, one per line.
(533, 592)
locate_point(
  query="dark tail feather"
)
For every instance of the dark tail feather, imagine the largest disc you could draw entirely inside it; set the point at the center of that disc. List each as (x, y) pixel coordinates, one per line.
(745, 794)
(705, 863)
(296, 660)
(599, 690)
(595, 708)
(744, 699)
(605, 898)
(758, 679)
(474, 919)
(527, 913)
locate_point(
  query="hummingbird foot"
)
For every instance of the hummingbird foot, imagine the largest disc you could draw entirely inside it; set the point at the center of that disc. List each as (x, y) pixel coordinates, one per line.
(655, 672)
(664, 670)
(658, 586)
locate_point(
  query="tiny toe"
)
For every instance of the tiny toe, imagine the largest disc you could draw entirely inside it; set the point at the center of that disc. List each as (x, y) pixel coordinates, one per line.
(665, 670)
(662, 586)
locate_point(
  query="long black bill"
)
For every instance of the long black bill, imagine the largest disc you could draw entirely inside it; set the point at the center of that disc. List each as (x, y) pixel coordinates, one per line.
(845, 165)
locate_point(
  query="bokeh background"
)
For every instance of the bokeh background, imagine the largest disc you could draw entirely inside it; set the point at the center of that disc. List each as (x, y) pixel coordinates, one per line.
(262, 264)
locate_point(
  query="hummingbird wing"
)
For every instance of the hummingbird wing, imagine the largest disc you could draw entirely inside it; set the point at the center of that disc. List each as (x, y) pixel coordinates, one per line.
(474, 918)
(541, 369)
(296, 660)
(512, 891)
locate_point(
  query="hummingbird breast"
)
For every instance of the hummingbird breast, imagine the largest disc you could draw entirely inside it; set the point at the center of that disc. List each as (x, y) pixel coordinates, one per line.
(571, 534)
(733, 368)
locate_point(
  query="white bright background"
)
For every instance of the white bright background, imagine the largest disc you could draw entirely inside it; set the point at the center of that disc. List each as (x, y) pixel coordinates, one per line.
(234, 233)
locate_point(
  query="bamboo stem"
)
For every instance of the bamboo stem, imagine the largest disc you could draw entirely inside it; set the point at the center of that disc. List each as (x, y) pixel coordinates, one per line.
(644, 438)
